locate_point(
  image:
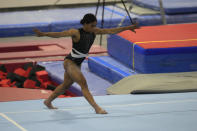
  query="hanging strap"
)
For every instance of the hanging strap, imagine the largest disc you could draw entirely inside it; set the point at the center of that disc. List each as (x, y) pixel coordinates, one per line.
(97, 6)
(127, 12)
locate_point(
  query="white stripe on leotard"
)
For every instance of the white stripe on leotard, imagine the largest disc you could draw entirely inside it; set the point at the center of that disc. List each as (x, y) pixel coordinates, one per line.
(78, 55)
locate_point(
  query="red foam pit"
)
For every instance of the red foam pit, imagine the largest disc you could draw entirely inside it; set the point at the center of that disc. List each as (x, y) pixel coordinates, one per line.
(20, 72)
(43, 75)
(29, 84)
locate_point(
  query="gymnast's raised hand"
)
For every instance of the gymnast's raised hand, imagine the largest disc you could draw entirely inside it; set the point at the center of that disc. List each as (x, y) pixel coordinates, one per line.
(135, 26)
(82, 40)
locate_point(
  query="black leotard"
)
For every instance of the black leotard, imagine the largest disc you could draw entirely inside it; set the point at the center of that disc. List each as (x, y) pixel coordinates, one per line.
(80, 49)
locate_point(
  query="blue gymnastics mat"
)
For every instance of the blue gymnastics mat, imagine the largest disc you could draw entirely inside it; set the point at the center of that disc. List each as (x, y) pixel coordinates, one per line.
(109, 68)
(96, 85)
(159, 112)
(170, 6)
(21, 23)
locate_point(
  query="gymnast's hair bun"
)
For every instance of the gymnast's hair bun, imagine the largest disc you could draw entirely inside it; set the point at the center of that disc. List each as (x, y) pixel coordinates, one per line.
(88, 18)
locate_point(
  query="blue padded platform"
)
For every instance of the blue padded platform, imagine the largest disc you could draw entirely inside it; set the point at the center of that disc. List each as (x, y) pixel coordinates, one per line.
(170, 6)
(120, 53)
(96, 85)
(109, 68)
(159, 60)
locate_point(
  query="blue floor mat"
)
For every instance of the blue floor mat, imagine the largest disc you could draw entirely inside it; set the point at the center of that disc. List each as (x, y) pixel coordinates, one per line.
(109, 68)
(170, 6)
(96, 85)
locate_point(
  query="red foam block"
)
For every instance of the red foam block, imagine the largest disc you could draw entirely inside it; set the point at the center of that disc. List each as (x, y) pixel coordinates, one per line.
(43, 75)
(29, 84)
(3, 75)
(27, 72)
(20, 72)
(5, 82)
(12, 84)
(44, 84)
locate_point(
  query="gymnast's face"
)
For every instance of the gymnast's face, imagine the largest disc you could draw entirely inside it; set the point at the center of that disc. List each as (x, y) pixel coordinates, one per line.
(90, 27)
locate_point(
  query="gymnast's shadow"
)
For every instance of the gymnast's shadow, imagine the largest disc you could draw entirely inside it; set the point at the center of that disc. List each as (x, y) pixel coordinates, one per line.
(62, 116)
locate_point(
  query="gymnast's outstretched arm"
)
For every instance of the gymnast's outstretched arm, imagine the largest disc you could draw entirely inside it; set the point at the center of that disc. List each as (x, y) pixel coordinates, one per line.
(116, 30)
(71, 32)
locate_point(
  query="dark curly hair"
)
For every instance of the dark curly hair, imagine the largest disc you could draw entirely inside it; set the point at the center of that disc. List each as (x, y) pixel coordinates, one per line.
(88, 18)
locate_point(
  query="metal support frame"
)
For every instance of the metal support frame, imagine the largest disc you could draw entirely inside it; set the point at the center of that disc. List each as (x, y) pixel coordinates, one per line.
(102, 21)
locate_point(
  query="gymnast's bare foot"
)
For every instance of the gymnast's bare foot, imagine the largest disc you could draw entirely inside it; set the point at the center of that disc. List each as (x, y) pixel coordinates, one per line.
(49, 105)
(100, 111)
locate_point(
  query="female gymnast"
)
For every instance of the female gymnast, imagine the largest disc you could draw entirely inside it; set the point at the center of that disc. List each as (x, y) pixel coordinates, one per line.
(82, 40)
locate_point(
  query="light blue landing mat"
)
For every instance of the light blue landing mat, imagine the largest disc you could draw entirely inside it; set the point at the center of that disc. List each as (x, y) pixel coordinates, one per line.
(163, 112)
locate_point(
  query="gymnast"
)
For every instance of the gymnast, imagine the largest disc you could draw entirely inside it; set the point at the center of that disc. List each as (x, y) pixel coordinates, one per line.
(82, 40)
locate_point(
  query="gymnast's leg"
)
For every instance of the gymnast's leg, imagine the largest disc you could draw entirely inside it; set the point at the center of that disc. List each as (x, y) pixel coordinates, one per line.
(59, 91)
(76, 75)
